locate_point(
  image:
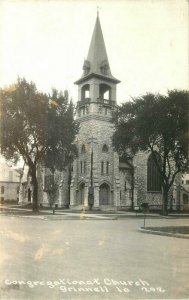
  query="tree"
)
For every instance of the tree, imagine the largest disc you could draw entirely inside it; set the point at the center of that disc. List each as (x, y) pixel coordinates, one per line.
(52, 187)
(38, 127)
(157, 124)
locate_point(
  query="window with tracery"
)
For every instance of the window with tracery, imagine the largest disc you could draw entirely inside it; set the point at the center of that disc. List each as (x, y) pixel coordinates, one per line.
(153, 175)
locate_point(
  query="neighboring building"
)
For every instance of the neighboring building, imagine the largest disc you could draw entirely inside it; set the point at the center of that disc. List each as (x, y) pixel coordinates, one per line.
(9, 184)
(184, 192)
(98, 176)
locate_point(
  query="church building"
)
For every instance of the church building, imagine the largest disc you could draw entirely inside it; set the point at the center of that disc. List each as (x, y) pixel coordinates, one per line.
(98, 178)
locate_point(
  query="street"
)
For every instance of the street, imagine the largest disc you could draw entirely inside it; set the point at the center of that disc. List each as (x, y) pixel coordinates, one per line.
(91, 259)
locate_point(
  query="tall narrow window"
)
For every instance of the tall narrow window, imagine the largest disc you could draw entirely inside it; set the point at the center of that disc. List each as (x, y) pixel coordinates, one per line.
(107, 167)
(153, 175)
(83, 149)
(102, 167)
(81, 167)
(84, 169)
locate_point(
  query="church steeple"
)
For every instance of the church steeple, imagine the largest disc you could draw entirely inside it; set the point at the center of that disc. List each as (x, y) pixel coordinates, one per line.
(97, 63)
(97, 55)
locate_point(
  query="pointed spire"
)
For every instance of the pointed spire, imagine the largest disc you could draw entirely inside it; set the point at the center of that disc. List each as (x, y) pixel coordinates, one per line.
(97, 55)
(97, 60)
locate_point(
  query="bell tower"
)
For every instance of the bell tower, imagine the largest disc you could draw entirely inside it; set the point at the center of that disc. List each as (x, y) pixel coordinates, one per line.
(95, 177)
(97, 86)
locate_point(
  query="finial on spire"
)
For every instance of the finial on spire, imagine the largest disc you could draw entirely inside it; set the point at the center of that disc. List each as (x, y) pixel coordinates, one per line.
(98, 10)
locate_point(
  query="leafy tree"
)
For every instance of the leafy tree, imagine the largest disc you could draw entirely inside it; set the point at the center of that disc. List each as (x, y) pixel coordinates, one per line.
(38, 127)
(158, 124)
(52, 187)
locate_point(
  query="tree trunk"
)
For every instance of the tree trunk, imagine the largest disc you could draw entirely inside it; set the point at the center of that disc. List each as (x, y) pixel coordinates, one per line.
(35, 191)
(165, 201)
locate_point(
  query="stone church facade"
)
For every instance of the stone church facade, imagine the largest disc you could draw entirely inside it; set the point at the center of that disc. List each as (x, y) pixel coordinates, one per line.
(96, 172)
(98, 177)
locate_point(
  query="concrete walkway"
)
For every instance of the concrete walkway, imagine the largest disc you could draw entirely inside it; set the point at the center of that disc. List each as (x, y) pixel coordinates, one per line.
(69, 214)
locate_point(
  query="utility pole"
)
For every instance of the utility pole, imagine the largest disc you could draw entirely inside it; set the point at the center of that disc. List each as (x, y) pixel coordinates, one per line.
(91, 187)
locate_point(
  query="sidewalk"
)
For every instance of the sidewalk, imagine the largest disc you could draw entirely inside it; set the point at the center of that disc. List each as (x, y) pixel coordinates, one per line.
(46, 213)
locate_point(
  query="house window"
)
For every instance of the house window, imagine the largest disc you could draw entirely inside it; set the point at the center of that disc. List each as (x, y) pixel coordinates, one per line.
(153, 175)
(81, 167)
(187, 181)
(2, 189)
(107, 167)
(125, 185)
(102, 167)
(2, 199)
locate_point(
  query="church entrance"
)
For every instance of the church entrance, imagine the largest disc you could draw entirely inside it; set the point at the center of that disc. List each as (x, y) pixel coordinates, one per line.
(81, 194)
(104, 194)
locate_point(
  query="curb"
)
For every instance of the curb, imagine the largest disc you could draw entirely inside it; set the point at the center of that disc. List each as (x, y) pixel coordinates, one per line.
(177, 235)
(59, 217)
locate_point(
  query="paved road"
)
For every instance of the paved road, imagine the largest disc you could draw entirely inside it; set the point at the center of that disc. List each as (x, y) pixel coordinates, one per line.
(91, 259)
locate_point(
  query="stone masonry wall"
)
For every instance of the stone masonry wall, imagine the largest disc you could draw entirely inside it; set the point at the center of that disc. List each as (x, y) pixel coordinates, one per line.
(140, 171)
(94, 134)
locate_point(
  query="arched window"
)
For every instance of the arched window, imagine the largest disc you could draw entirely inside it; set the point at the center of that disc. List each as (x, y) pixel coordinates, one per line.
(153, 175)
(85, 91)
(83, 149)
(105, 91)
(105, 148)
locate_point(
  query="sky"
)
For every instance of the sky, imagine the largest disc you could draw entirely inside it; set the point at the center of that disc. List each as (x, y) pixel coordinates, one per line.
(46, 42)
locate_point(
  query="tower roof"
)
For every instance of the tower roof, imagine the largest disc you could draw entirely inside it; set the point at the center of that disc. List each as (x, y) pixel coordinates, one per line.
(97, 63)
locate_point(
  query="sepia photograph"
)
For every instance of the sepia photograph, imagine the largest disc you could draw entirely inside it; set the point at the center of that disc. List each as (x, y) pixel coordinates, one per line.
(94, 149)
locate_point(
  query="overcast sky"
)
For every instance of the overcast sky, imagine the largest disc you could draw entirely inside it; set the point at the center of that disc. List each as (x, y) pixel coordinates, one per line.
(47, 41)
